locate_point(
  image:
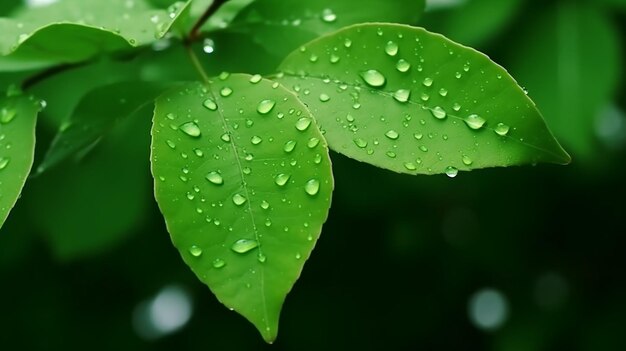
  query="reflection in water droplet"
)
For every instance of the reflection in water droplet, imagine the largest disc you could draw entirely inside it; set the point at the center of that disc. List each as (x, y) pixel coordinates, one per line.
(391, 48)
(312, 187)
(215, 178)
(265, 106)
(451, 171)
(443, 92)
(239, 199)
(456, 107)
(347, 43)
(261, 257)
(282, 179)
(474, 121)
(244, 245)
(502, 129)
(191, 129)
(373, 78)
(195, 251)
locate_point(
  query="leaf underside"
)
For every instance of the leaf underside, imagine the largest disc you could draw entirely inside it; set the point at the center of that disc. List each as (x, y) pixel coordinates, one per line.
(243, 179)
(407, 100)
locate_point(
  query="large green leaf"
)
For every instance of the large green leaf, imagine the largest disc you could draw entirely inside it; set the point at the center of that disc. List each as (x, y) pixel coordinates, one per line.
(581, 66)
(404, 99)
(75, 30)
(280, 26)
(98, 112)
(17, 147)
(243, 179)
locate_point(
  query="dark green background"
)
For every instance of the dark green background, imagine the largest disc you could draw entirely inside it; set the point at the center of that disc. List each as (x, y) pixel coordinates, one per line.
(398, 259)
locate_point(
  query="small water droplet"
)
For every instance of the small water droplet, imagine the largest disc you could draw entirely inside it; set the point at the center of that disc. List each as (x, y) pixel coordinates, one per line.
(7, 115)
(427, 82)
(403, 65)
(334, 58)
(198, 152)
(210, 104)
(328, 16)
(312, 143)
(313, 58)
(208, 45)
(239, 199)
(502, 129)
(195, 251)
(443, 92)
(282, 179)
(402, 95)
(451, 171)
(225, 137)
(373, 78)
(324, 97)
(391, 48)
(226, 91)
(265, 106)
(410, 166)
(255, 78)
(242, 246)
(289, 146)
(215, 178)
(418, 136)
(303, 124)
(347, 43)
(4, 162)
(423, 148)
(218, 263)
(171, 144)
(392, 134)
(265, 205)
(191, 129)
(256, 140)
(438, 112)
(466, 160)
(261, 257)
(474, 121)
(391, 154)
(360, 143)
(298, 256)
(312, 187)
(456, 107)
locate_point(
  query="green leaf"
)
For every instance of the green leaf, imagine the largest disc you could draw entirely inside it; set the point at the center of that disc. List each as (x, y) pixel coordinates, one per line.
(223, 16)
(88, 207)
(72, 30)
(98, 112)
(18, 116)
(404, 99)
(580, 70)
(243, 179)
(281, 26)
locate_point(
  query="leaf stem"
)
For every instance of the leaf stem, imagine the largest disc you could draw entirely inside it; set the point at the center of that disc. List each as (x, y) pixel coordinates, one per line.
(194, 34)
(196, 63)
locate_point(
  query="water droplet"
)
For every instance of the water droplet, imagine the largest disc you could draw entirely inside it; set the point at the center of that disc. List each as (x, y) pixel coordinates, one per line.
(391, 154)
(303, 124)
(392, 134)
(171, 144)
(313, 58)
(312, 187)
(427, 82)
(313, 142)
(403, 65)
(423, 148)
(418, 136)
(410, 166)
(502, 129)
(255, 78)
(324, 97)
(334, 58)
(195, 251)
(261, 257)
(360, 143)
(402, 95)
(265, 205)
(210, 104)
(244, 245)
(373, 78)
(215, 178)
(328, 16)
(218, 263)
(451, 171)
(424, 97)
(198, 152)
(438, 112)
(265, 106)
(7, 115)
(225, 137)
(347, 43)
(239, 199)
(226, 91)
(289, 146)
(443, 92)
(456, 107)
(208, 45)
(466, 160)
(4, 162)
(298, 256)
(391, 48)
(256, 140)
(191, 129)
(474, 121)
(458, 75)
(282, 179)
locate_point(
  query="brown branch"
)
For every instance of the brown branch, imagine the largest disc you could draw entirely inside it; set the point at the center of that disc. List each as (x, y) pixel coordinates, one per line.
(194, 34)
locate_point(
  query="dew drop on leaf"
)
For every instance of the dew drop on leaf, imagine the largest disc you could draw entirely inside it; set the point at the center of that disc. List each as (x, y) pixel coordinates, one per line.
(210, 104)
(451, 171)
(239, 199)
(502, 129)
(391, 48)
(403, 65)
(474, 121)
(373, 78)
(392, 134)
(242, 246)
(215, 178)
(195, 251)
(312, 187)
(218, 263)
(191, 129)
(402, 95)
(282, 179)
(303, 124)
(289, 146)
(438, 112)
(265, 106)
(4, 162)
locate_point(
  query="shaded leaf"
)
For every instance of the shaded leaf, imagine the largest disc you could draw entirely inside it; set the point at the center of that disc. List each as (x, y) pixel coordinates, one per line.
(18, 116)
(404, 99)
(98, 112)
(71, 31)
(243, 179)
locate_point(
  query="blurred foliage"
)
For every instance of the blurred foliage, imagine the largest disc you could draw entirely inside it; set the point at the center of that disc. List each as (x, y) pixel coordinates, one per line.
(400, 256)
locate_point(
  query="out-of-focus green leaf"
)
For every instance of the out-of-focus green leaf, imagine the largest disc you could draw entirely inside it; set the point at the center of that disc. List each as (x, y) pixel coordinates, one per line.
(18, 115)
(72, 30)
(243, 179)
(404, 99)
(474, 22)
(98, 112)
(569, 59)
(88, 207)
(223, 16)
(280, 26)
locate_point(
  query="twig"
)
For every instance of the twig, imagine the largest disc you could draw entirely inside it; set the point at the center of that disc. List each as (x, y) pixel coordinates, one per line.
(194, 34)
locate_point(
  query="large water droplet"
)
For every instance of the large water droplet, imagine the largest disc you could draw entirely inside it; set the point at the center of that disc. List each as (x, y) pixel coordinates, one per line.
(215, 178)
(502, 129)
(451, 171)
(289, 146)
(239, 199)
(265, 106)
(391, 48)
(210, 104)
(474, 121)
(402, 95)
(312, 187)
(195, 251)
(373, 78)
(282, 179)
(244, 245)
(438, 112)
(303, 124)
(403, 65)
(392, 134)
(191, 129)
